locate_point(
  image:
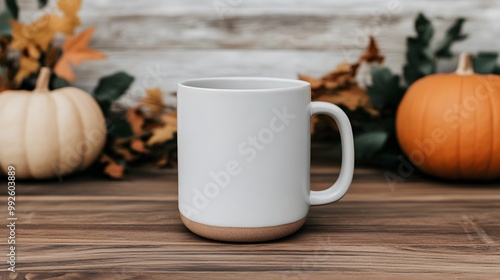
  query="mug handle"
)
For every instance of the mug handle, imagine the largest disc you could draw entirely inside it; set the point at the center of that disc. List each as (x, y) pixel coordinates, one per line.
(340, 187)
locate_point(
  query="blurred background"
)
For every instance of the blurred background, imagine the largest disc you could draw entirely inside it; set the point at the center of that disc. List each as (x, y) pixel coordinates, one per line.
(178, 39)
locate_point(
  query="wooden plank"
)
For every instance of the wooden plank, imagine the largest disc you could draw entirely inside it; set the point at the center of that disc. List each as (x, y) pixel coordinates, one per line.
(318, 24)
(328, 258)
(89, 226)
(162, 186)
(374, 223)
(295, 274)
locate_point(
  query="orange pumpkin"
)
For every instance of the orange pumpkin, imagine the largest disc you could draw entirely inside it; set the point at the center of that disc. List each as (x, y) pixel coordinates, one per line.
(449, 124)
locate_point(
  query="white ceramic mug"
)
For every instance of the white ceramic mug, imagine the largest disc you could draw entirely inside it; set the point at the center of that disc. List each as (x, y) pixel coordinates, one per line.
(244, 157)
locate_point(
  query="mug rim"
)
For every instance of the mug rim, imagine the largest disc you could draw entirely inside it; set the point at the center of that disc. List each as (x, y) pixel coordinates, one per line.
(293, 84)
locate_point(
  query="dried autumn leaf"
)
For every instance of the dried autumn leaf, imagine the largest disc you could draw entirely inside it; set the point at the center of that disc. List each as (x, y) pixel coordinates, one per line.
(64, 25)
(341, 81)
(341, 70)
(37, 35)
(69, 21)
(166, 132)
(341, 77)
(41, 32)
(136, 121)
(125, 153)
(341, 87)
(372, 53)
(26, 67)
(353, 98)
(315, 83)
(333, 98)
(112, 169)
(137, 145)
(370, 57)
(75, 51)
(153, 102)
(70, 8)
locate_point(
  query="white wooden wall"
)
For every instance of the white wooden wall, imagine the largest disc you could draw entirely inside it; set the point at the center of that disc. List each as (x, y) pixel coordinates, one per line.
(181, 39)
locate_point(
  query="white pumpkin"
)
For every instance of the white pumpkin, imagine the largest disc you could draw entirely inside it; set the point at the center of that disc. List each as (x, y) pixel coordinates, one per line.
(45, 134)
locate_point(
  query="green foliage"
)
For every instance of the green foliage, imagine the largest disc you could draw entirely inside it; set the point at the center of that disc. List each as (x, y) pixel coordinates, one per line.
(419, 58)
(57, 82)
(12, 7)
(110, 88)
(376, 141)
(375, 137)
(486, 63)
(454, 34)
(385, 91)
(368, 144)
(12, 12)
(5, 28)
(118, 125)
(42, 3)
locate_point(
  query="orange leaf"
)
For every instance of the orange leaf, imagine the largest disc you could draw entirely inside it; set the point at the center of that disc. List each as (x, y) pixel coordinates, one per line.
(33, 52)
(136, 121)
(166, 132)
(343, 69)
(315, 83)
(138, 146)
(353, 98)
(38, 34)
(75, 51)
(153, 102)
(26, 67)
(65, 25)
(69, 7)
(64, 71)
(19, 42)
(341, 77)
(70, 20)
(112, 169)
(372, 53)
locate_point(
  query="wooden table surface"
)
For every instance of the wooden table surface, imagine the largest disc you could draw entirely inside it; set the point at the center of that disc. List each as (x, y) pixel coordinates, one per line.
(93, 228)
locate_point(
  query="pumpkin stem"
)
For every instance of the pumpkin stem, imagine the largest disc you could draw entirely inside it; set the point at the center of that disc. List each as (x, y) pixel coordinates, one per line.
(42, 82)
(464, 65)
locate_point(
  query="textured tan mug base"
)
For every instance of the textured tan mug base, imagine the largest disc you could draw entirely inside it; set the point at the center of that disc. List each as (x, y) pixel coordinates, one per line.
(242, 234)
